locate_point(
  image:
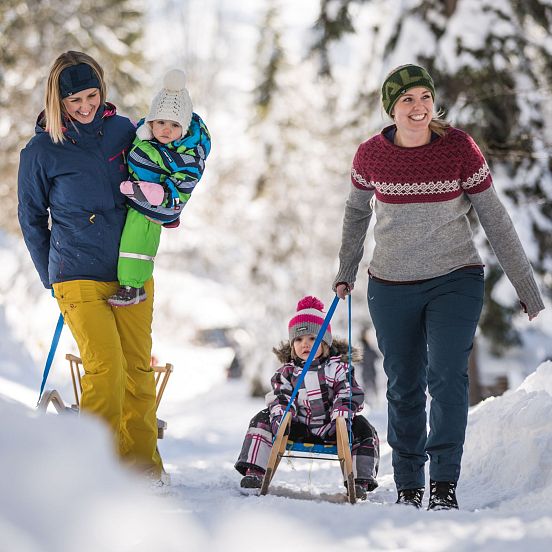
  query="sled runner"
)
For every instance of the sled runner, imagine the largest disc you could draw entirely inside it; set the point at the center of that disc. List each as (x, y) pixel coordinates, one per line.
(283, 447)
(162, 375)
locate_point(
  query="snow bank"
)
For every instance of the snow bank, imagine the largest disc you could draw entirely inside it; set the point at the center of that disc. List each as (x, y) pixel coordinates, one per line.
(62, 489)
(508, 454)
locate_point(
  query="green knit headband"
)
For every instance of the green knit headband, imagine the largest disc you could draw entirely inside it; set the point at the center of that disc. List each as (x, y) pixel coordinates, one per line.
(402, 79)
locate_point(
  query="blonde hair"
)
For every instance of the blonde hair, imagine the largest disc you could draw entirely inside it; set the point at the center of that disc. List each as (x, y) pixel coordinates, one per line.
(55, 110)
(438, 124)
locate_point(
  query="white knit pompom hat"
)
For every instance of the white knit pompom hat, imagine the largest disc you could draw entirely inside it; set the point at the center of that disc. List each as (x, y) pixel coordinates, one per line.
(172, 103)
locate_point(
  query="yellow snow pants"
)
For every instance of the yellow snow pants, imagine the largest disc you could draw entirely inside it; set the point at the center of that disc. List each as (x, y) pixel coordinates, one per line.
(118, 385)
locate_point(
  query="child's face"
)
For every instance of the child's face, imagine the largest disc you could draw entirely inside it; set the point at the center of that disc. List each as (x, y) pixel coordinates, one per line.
(302, 346)
(166, 131)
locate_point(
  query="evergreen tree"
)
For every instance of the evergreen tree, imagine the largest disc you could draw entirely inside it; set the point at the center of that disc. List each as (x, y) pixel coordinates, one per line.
(32, 34)
(283, 210)
(334, 20)
(283, 194)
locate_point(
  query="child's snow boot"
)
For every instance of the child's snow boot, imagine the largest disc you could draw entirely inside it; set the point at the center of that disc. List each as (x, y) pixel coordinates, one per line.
(410, 497)
(363, 487)
(442, 495)
(253, 479)
(126, 296)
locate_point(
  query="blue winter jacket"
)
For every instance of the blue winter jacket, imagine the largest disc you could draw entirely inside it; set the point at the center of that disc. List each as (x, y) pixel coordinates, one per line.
(77, 183)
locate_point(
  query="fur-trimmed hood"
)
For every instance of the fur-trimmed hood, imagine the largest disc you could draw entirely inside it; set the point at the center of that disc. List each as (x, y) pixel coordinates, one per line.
(339, 347)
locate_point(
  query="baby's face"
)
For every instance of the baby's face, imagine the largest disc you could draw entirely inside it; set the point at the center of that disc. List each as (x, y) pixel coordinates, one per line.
(303, 346)
(166, 131)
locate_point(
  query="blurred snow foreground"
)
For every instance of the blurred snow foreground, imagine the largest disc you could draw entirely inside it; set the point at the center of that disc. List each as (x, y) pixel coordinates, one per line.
(61, 489)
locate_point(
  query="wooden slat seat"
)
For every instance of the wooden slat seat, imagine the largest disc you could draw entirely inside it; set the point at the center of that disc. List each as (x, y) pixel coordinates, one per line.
(282, 447)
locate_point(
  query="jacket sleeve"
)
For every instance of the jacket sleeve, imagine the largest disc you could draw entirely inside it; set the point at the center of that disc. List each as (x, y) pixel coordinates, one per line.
(278, 399)
(356, 220)
(508, 249)
(33, 189)
(499, 228)
(194, 150)
(178, 170)
(346, 403)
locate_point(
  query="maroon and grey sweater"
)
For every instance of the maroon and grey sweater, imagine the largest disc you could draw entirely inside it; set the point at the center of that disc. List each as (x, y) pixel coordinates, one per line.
(423, 196)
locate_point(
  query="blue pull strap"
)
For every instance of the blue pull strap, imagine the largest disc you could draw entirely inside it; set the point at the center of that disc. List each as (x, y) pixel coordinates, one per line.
(311, 354)
(350, 359)
(53, 347)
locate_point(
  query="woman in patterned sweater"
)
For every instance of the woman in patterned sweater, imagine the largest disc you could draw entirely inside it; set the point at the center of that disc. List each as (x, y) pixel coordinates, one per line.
(324, 395)
(426, 285)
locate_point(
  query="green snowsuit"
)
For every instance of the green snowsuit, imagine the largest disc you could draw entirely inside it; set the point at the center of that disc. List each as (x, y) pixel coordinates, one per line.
(178, 166)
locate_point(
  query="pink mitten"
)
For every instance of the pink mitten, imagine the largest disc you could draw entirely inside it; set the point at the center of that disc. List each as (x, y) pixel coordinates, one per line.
(126, 188)
(143, 191)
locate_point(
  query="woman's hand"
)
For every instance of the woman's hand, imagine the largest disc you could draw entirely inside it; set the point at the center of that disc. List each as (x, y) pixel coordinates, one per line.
(524, 308)
(343, 289)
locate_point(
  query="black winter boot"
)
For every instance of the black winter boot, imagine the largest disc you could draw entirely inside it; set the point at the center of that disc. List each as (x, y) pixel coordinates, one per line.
(410, 497)
(442, 495)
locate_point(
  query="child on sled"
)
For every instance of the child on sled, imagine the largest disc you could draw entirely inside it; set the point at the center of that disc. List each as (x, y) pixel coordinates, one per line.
(324, 395)
(165, 163)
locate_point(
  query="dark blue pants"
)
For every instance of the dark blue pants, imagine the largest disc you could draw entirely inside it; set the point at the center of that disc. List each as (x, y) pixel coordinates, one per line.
(425, 332)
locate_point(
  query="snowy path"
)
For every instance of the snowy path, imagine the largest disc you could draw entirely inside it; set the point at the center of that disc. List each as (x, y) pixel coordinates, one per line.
(61, 488)
(61, 484)
(308, 499)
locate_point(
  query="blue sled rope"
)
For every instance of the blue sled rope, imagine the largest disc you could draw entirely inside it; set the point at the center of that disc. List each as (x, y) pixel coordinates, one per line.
(350, 357)
(49, 360)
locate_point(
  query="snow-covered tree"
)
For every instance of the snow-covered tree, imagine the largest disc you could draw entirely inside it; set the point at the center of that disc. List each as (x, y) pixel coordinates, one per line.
(290, 194)
(334, 20)
(279, 197)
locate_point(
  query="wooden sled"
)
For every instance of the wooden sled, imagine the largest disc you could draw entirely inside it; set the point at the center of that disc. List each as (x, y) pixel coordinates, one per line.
(283, 447)
(162, 375)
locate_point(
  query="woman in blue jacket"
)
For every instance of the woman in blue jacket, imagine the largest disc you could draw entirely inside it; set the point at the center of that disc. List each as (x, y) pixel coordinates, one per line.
(69, 174)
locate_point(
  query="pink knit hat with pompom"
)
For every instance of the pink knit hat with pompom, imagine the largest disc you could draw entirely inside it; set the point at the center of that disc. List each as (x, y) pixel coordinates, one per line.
(308, 320)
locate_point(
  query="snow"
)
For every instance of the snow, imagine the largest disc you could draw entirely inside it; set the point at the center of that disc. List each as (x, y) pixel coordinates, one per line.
(63, 489)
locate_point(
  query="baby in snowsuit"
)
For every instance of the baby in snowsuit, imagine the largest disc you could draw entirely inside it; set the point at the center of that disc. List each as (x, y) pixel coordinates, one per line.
(324, 395)
(166, 161)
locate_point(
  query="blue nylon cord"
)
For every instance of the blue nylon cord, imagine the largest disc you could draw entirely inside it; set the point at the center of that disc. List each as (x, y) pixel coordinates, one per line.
(350, 377)
(308, 362)
(53, 347)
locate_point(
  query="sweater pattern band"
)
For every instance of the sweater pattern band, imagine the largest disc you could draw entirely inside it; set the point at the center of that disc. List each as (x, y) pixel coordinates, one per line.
(441, 171)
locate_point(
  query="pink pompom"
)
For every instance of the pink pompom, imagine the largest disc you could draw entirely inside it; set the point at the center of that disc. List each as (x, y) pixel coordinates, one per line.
(310, 302)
